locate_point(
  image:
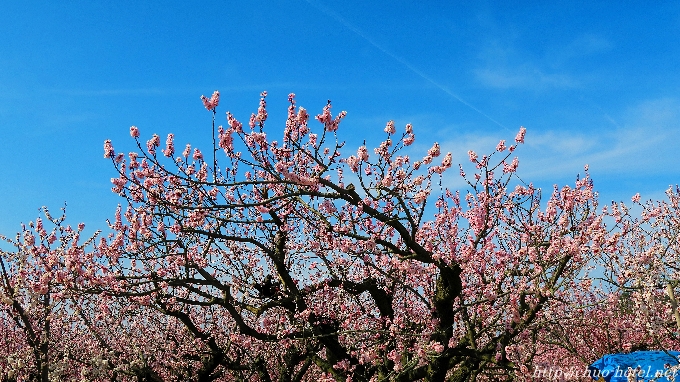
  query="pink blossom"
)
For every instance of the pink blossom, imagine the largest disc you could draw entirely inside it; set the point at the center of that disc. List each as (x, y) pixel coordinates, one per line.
(512, 167)
(353, 163)
(434, 151)
(29, 239)
(520, 135)
(437, 347)
(636, 198)
(259, 138)
(473, 156)
(421, 196)
(362, 153)
(384, 149)
(134, 132)
(387, 181)
(326, 118)
(206, 102)
(234, 124)
(342, 365)
(446, 163)
(409, 129)
(226, 139)
(262, 110)
(215, 99)
(108, 149)
(280, 167)
(389, 129)
(197, 155)
(252, 121)
(211, 103)
(501, 146)
(133, 160)
(152, 143)
(169, 146)
(302, 116)
(175, 228)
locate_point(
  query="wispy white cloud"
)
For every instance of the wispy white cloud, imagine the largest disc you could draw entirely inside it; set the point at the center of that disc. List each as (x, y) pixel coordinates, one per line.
(645, 143)
(579, 47)
(523, 77)
(505, 66)
(611, 151)
(663, 112)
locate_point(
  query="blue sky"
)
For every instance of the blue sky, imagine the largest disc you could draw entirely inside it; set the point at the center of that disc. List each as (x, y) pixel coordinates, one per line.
(593, 83)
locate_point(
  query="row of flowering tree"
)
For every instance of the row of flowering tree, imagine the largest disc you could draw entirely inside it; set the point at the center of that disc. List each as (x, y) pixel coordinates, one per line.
(296, 258)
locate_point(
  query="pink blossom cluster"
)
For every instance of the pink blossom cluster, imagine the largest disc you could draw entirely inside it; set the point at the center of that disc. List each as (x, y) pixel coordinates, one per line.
(169, 150)
(330, 124)
(212, 102)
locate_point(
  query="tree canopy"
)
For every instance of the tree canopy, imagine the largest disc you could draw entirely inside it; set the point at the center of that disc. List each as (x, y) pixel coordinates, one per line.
(288, 256)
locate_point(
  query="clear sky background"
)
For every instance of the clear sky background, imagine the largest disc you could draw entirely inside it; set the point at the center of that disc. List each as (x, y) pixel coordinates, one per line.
(594, 83)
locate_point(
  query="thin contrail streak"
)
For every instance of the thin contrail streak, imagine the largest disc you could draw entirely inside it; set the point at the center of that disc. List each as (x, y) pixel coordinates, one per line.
(401, 60)
(599, 108)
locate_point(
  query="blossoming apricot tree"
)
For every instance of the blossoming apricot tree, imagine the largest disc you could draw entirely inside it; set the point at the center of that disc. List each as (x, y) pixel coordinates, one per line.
(645, 265)
(635, 306)
(36, 311)
(288, 260)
